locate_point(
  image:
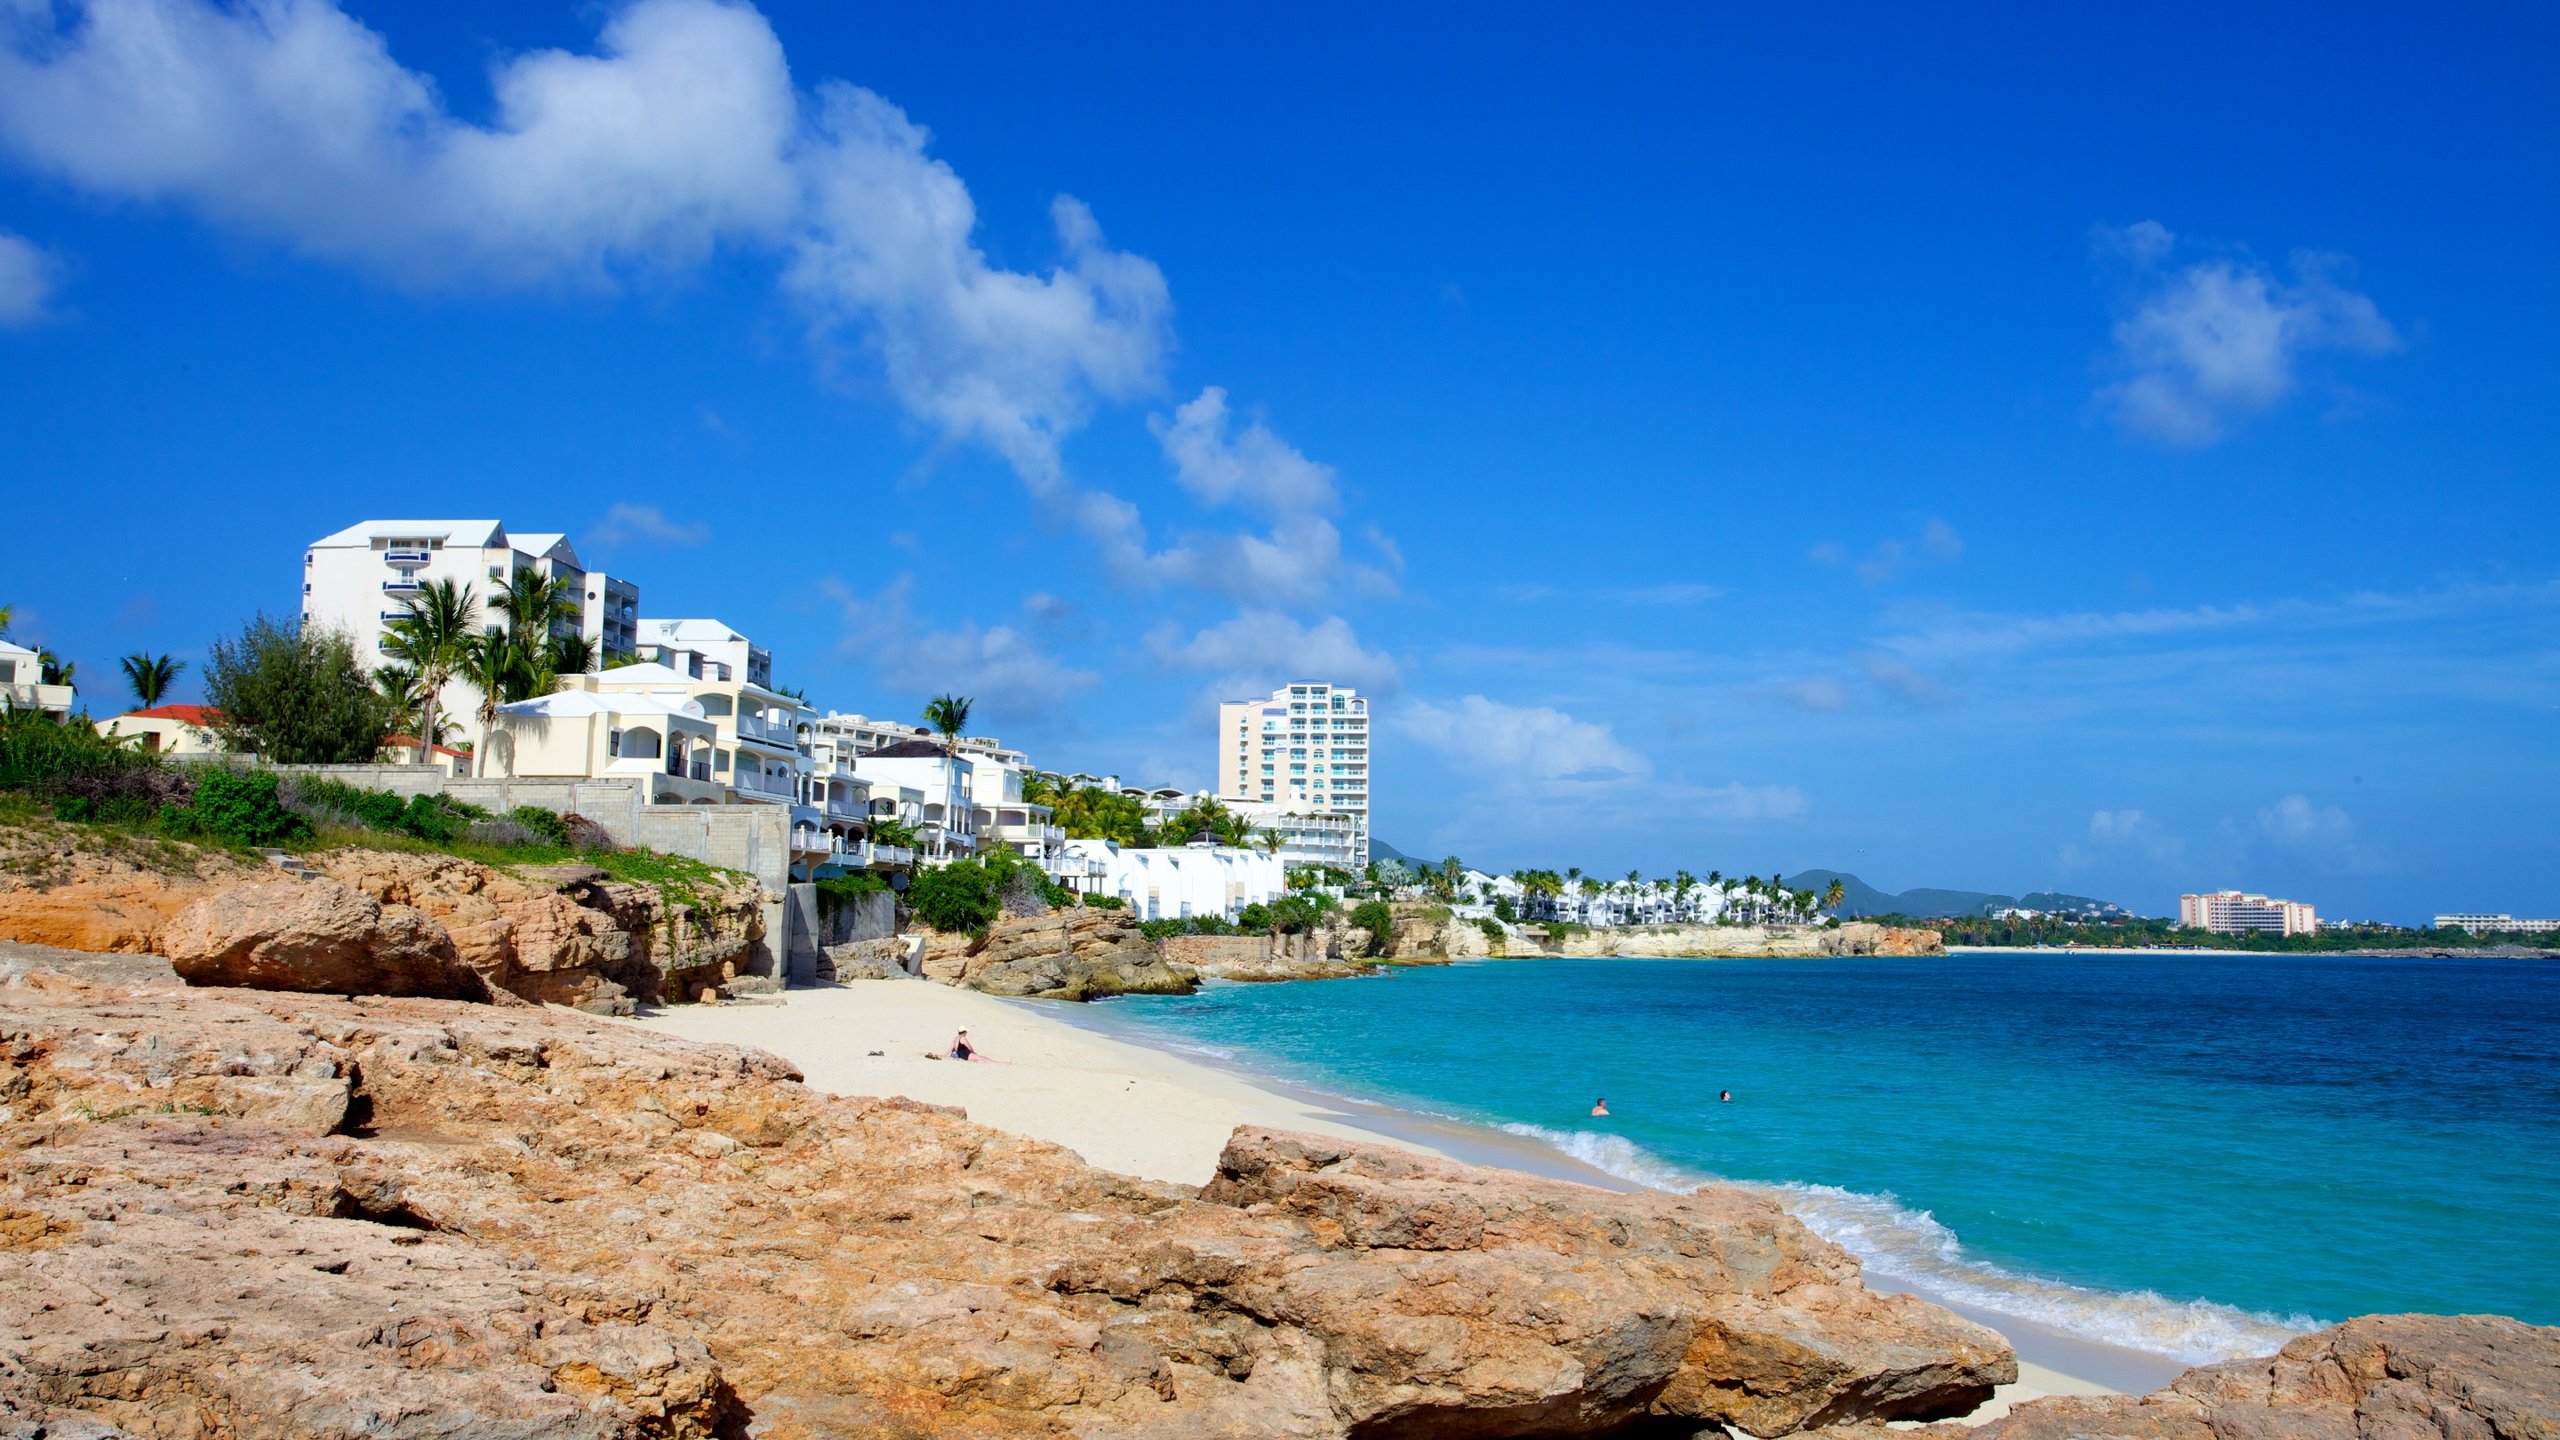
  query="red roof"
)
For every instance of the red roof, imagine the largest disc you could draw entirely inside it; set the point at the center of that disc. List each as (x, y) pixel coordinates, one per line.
(410, 742)
(184, 714)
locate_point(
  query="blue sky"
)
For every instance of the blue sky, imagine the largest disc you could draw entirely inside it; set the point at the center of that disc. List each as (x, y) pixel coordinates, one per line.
(2110, 453)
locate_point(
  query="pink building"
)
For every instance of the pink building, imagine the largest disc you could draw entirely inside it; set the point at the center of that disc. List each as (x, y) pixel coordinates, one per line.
(2229, 912)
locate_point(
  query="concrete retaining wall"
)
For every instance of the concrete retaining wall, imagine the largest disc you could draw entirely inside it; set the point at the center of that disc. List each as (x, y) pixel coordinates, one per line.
(1199, 950)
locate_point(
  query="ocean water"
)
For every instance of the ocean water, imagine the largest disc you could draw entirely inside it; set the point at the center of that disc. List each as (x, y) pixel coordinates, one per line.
(2194, 1156)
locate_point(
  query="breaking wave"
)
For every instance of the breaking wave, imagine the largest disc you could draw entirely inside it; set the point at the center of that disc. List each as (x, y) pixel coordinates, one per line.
(1898, 1243)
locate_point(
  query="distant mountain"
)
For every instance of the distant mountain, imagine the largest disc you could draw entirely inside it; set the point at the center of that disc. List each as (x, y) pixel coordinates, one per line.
(1860, 898)
(1381, 850)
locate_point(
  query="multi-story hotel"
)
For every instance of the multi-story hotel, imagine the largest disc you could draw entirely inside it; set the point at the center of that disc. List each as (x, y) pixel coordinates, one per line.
(2507, 924)
(356, 579)
(1305, 748)
(2229, 912)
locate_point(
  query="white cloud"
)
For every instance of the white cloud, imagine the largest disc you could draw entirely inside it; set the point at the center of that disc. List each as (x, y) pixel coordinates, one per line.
(2223, 339)
(626, 522)
(1815, 692)
(2114, 834)
(2143, 243)
(291, 120)
(27, 279)
(2296, 822)
(1003, 669)
(1900, 681)
(1011, 360)
(1518, 743)
(1935, 542)
(1300, 558)
(1260, 649)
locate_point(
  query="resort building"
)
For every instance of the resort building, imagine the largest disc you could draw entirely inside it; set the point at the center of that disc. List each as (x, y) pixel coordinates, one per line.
(1182, 882)
(2230, 912)
(22, 684)
(1308, 835)
(706, 650)
(356, 580)
(167, 729)
(662, 741)
(2487, 924)
(971, 800)
(1306, 744)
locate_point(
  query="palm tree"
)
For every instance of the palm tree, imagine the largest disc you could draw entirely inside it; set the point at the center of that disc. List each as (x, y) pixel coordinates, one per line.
(442, 622)
(52, 669)
(535, 604)
(573, 655)
(488, 664)
(948, 714)
(1834, 894)
(150, 676)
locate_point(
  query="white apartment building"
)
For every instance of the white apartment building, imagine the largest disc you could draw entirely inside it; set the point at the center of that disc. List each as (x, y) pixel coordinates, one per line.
(355, 581)
(1309, 836)
(1182, 882)
(2483, 924)
(706, 650)
(972, 801)
(167, 729)
(2230, 912)
(1307, 744)
(22, 684)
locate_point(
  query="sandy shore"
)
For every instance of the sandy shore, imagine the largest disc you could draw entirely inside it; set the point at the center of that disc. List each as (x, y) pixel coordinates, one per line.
(1143, 1111)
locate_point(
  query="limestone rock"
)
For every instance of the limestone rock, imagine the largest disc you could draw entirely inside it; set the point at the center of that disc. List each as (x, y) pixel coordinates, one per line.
(536, 1222)
(2381, 1377)
(525, 938)
(102, 891)
(881, 959)
(1580, 1310)
(316, 936)
(1081, 953)
(1317, 955)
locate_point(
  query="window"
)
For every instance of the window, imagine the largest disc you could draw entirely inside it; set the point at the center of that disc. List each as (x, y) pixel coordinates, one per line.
(613, 743)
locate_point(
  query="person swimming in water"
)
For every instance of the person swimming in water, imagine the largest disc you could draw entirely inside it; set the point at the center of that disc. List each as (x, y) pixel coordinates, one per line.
(1725, 1095)
(1600, 1106)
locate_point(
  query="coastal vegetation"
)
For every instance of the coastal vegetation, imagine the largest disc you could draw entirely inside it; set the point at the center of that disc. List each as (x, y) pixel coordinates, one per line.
(294, 694)
(2139, 932)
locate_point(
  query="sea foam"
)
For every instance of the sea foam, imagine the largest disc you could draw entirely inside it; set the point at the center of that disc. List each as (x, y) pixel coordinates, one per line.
(1898, 1243)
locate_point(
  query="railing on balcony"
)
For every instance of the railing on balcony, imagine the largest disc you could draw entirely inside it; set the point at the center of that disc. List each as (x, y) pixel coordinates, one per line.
(407, 557)
(403, 586)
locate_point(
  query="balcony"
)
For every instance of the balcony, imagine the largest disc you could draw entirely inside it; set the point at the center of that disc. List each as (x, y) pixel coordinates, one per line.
(767, 732)
(405, 585)
(407, 557)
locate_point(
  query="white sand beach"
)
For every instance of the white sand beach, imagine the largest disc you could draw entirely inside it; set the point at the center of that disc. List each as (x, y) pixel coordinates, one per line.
(1122, 1106)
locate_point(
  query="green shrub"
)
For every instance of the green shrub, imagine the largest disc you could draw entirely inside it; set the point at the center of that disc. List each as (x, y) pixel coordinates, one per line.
(240, 806)
(837, 891)
(1374, 917)
(74, 808)
(1493, 932)
(1104, 902)
(1505, 911)
(545, 823)
(963, 896)
(296, 695)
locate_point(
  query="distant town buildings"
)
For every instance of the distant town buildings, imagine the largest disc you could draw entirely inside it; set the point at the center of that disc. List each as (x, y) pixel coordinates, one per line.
(2230, 912)
(2485, 924)
(1302, 749)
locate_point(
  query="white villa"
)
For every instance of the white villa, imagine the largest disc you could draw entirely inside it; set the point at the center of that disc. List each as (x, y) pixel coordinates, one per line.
(22, 687)
(166, 729)
(1178, 884)
(971, 800)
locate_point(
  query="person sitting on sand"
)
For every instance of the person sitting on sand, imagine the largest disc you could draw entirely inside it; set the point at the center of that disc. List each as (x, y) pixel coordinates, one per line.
(1600, 1106)
(961, 1049)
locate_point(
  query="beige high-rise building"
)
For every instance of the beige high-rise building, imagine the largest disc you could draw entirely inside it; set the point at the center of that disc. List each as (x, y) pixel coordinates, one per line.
(2231, 912)
(1306, 747)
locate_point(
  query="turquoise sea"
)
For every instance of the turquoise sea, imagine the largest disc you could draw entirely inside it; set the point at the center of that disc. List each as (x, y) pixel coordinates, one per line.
(2194, 1156)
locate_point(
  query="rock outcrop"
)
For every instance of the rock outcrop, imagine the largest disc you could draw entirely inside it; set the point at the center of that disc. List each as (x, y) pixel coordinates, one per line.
(1316, 955)
(2381, 1377)
(1080, 953)
(882, 959)
(103, 891)
(246, 1212)
(316, 936)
